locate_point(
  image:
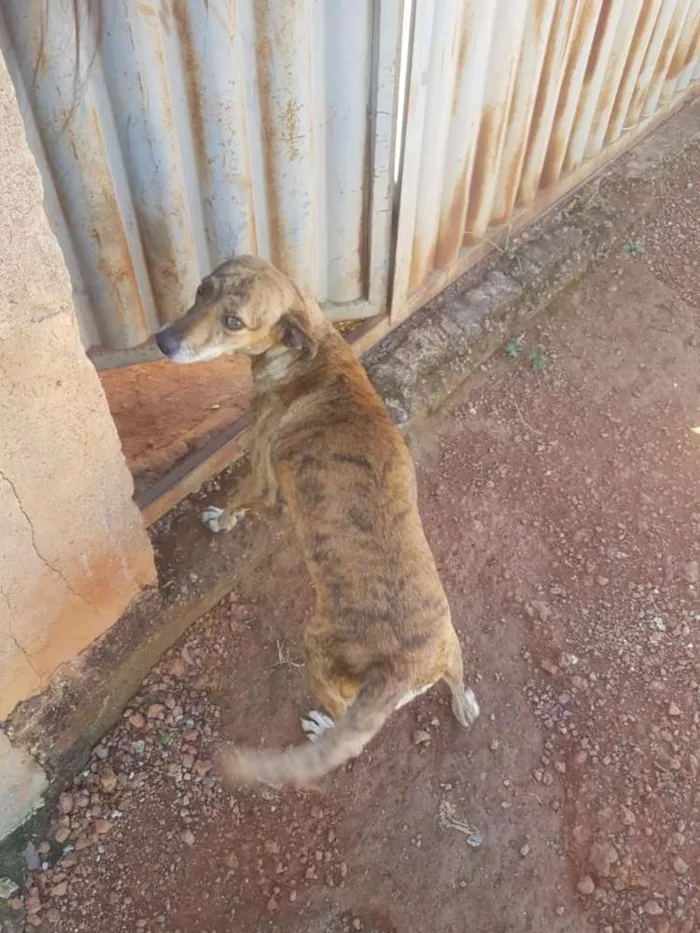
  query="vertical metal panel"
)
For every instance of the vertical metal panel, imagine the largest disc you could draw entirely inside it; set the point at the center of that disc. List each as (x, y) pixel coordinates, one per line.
(561, 38)
(201, 128)
(442, 72)
(598, 67)
(569, 94)
(648, 15)
(657, 42)
(465, 117)
(509, 30)
(537, 26)
(666, 55)
(613, 74)
(678, 74)
(550, 83)
(416, 99)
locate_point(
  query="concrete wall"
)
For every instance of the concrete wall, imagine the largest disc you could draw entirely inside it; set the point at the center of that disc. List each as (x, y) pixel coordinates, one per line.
(73, 549)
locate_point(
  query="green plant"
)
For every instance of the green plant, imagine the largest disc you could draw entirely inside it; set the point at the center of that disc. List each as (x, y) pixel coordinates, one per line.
(538, 360)
(634, 247)
(513, 347)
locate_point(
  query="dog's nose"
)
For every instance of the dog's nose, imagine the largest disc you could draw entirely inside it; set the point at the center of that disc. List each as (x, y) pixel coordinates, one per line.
(168, 341)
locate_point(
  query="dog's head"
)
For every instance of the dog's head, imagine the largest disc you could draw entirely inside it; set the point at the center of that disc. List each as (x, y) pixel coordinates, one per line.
(244, 306)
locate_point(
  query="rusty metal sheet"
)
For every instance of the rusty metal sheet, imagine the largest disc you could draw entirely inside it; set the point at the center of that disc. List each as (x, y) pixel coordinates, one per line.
(178, 132)
(508, 101)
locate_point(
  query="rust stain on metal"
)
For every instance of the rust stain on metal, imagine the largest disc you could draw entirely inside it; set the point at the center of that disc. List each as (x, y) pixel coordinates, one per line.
(364, 233)
(415, 278)
(291, 135)
(487, 140)
(693, 53)
(668, 45)
(640, 91)
(165, 14)
(263, 58)
(114, 256)
(553, 61)
(193, 82)
(451, 230)
(559, 140)
(678, 59)
(640, 42)
(600, 31)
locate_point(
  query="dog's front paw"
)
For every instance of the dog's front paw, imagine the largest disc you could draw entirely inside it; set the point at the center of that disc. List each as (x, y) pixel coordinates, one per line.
(217, 519)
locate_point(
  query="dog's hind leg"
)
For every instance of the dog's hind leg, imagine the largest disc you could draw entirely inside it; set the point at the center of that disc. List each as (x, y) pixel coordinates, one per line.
(464, 704)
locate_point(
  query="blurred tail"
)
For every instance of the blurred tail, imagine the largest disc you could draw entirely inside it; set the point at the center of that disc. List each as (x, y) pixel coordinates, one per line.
(306, 763)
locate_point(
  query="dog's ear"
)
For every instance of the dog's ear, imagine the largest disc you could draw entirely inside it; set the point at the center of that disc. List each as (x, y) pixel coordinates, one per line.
(294, 334)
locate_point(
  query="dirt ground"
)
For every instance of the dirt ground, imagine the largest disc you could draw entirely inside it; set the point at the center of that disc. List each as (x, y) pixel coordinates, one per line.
(164, 412)
(559, 489)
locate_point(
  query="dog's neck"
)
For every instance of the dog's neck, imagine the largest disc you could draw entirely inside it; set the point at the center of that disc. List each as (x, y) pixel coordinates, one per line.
(281, 364)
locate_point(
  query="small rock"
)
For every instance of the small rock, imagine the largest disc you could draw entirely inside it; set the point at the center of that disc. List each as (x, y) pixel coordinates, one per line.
(155, 711)
(61, 834)
(603, 856)
(44, 847)
(586, 885)
(494, 745)
(188, 837)
(187, 760)
(34, 919)
(674, 710)
(102, 827)
(137, 720)
(7, 888)
(691, 571)
(525, 850)
(202, 767)
(108, 780)
(101, 752)
(59, 890)
(652, 908)
(65, 803)
(421, 737)
(602, 581)
(31, 857)
(628, 818)
(679, 866)
(272, 904)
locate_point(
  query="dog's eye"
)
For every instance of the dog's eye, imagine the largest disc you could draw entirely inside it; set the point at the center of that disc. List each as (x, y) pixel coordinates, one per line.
(232, 322)
(205, 292)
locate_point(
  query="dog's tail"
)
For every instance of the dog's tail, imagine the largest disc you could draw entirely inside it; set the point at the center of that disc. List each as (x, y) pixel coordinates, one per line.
(303, 764)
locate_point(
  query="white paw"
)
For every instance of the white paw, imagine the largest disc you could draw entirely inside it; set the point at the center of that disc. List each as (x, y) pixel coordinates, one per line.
(217, 519)
(471, 705)
(316, 724)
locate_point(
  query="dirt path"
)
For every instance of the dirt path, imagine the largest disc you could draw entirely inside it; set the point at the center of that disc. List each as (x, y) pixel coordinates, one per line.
(559, 491)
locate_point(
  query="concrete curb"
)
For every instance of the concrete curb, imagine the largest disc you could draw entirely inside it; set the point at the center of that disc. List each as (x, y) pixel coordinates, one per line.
(416, 369)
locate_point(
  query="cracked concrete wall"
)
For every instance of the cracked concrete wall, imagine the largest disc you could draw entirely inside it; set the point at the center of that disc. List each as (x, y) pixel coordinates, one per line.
(73, 549)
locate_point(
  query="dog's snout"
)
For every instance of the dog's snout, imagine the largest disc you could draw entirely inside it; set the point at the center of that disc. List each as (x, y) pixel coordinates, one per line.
(168, 341)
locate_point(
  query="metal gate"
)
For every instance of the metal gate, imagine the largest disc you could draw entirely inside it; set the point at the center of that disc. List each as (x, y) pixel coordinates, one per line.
(371, 148)
(172, 134)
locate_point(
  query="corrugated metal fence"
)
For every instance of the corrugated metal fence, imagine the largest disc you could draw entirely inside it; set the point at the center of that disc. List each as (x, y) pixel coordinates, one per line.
(512, 100)
(187, 130)
(184, 131)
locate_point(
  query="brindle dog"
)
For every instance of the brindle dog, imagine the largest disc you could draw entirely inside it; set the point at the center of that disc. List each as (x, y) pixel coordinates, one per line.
(323, 444)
